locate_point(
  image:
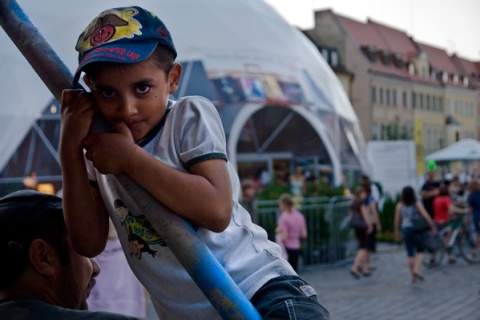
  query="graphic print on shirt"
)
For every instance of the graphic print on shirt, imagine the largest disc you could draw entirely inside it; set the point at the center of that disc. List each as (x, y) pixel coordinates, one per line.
(140, 232)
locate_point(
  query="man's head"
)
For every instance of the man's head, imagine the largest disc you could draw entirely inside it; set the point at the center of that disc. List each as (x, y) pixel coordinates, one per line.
(37, 256)
(128, 56)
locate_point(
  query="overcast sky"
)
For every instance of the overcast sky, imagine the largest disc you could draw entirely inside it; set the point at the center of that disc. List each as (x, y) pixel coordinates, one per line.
(451, 25)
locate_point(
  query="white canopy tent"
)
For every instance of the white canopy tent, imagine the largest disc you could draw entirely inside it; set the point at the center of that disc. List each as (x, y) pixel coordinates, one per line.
(463, 150)
(236, 37)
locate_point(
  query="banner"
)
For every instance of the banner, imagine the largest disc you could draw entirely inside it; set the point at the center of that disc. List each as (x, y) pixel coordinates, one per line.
(418, 129)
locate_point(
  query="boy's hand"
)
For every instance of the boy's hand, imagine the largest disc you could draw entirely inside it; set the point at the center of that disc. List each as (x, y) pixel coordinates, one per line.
(77, 110)
(110, 152)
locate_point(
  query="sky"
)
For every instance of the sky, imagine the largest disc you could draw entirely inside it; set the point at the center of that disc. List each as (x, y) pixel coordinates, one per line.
(450, 25)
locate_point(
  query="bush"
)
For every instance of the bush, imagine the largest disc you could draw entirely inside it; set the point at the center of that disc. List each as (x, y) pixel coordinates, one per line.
(319, 188)
(387, 217)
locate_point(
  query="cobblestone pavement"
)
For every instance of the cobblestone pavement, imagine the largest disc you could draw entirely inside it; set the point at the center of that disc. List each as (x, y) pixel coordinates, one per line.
(449, 292)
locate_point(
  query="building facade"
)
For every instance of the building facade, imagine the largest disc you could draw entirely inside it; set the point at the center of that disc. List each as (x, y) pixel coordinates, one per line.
(397, 82)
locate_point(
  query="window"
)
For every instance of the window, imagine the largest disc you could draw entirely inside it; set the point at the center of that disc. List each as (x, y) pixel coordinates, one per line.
(394, 97)
(428, 102)
(424, 72)
(411, 69)
(440, 104)
(465, 81)
(388, 96)
(455, 79)
(334, 57)
(414, 100)
(444, 77)
(434, 103)
(386, 57)
(421, 101)
(374, 94)
(375, 132)
(404, 99)
(381, 95)
(398, 60)
(449, 106)
(325, 54)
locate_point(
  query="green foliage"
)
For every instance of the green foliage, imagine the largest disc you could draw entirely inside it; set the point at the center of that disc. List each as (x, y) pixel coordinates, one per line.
(273, 191)
(387, 217)
(319, 188)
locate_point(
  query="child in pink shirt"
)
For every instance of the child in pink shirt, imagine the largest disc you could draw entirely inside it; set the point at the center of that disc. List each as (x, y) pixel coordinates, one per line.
(291, 228)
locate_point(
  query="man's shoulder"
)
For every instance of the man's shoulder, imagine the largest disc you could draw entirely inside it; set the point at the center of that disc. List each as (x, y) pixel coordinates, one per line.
(35, 309)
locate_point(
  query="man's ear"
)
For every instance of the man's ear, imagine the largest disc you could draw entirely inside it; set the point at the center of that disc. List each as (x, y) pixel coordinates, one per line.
(174, 77)
(43, 257)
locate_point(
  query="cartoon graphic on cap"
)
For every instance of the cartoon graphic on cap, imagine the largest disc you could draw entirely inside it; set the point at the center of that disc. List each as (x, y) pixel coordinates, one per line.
(110, 26)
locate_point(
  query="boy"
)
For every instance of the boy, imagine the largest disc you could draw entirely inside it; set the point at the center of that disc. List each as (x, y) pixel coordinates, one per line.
(176, 151)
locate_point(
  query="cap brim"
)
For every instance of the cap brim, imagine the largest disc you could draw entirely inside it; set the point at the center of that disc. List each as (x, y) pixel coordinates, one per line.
(116, 53)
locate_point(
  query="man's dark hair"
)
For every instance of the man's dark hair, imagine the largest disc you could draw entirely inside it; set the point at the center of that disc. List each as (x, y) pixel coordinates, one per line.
(25, 216)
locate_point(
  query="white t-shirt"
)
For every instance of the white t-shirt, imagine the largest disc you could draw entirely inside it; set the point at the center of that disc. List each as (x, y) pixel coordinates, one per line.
(191, 132)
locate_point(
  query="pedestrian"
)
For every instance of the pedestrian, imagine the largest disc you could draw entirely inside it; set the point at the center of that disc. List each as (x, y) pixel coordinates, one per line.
(474, 206)
(249, 194)
(374, 218)
(298, 186)
(359, 209)
(444, 212)
(405, 211)
(41, 275)
(176, 151)
(291, 228)
(429, 190)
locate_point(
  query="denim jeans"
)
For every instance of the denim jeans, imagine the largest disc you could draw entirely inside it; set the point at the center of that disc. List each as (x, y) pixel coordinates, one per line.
(288, 297)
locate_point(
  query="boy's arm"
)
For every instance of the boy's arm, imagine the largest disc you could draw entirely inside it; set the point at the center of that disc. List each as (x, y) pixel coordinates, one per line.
(202, 196)
(85, 215)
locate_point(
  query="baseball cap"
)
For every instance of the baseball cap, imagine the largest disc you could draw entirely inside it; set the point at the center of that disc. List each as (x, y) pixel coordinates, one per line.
(121, 35)
(22, 214)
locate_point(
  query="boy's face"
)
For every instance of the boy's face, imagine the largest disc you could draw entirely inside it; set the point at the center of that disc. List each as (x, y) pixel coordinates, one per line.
(136, 94)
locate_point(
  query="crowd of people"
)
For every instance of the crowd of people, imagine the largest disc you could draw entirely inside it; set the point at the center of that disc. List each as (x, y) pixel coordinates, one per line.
(442, 204)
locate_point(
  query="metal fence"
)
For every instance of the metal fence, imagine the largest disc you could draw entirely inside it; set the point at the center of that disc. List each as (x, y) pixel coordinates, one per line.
(329, 238)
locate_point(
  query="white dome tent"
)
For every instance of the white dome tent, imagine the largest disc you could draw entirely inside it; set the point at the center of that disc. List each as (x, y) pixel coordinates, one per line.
(268, 81)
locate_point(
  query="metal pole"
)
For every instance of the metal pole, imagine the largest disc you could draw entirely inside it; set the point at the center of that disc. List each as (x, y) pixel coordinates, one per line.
(181, 238)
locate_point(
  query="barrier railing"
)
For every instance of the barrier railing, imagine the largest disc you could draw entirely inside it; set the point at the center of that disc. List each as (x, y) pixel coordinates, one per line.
(329, 238)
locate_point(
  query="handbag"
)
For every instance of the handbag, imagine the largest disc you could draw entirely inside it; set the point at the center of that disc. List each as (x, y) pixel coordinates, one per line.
(356, 221)
(419, 224)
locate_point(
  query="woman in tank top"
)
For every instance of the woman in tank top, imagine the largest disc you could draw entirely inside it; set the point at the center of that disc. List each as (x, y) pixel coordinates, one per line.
(405, 210)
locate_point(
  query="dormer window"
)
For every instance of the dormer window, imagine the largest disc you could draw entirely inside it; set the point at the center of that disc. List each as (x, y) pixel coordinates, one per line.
(444, 77)
(334, 58)
(398, 60)
(411, 69)
(370, 52)
(386, 57)
(433, 74)
(455, 79)
(325, 54)
(465, 81)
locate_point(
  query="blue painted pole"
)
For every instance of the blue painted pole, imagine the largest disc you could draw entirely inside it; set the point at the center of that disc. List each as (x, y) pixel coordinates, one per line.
(181, 238)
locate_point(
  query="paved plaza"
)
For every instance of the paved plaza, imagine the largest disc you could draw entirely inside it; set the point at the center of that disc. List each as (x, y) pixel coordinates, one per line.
(449, 292)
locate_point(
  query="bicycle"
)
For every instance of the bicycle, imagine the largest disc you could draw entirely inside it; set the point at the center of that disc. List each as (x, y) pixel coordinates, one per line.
(462, 238)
